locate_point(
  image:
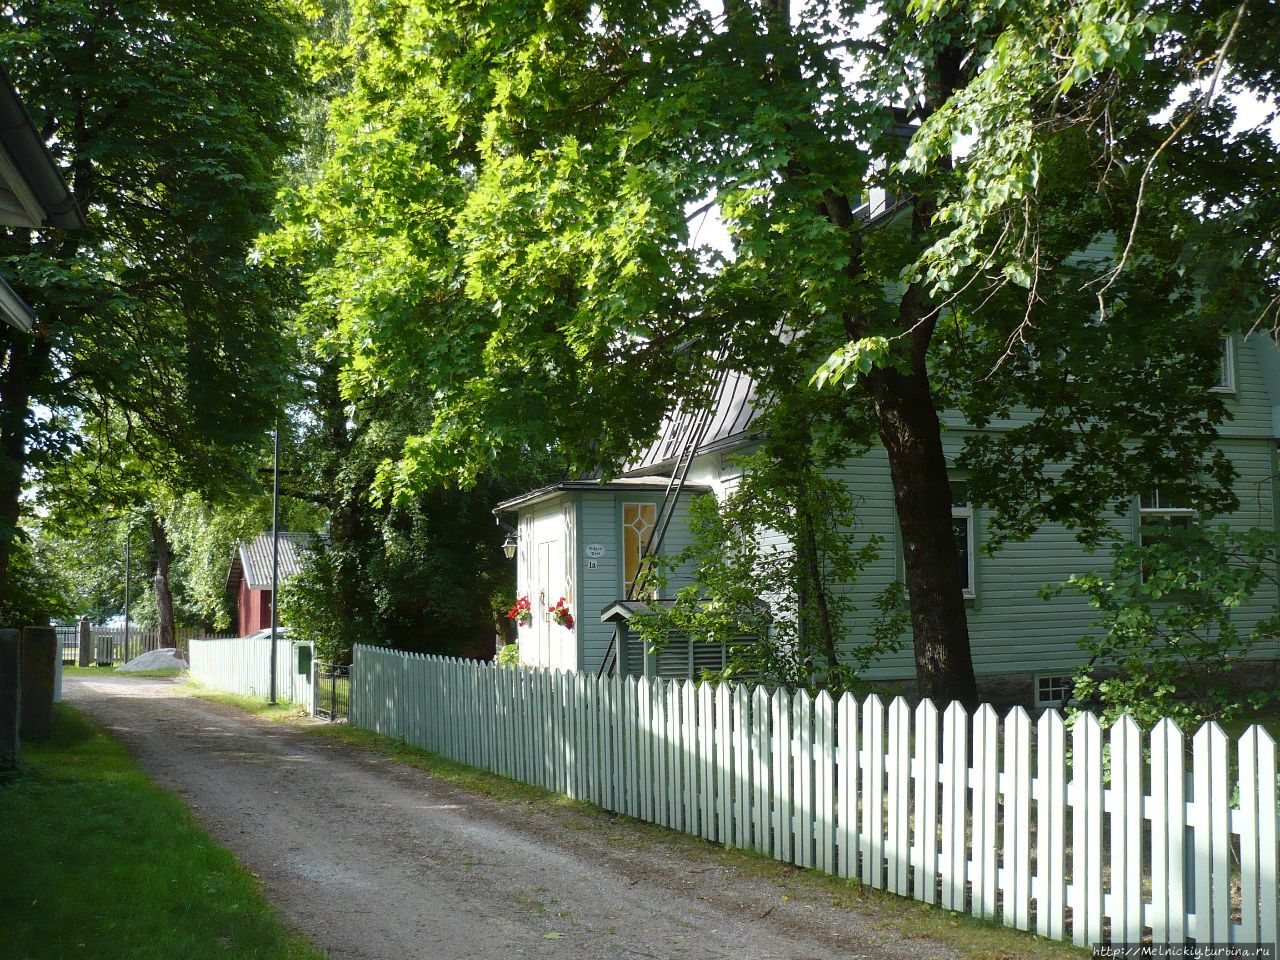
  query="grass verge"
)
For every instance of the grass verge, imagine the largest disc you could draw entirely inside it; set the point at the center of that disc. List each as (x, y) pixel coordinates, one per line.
(254, 705)
(897, 917)
(73, 671)
(101, 862)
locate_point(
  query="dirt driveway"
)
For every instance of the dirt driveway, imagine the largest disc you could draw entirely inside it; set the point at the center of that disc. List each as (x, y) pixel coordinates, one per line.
(378, 860)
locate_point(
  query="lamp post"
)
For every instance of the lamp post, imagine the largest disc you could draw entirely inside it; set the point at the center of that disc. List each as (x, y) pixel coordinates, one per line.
(128, 569)
(128, 544)
(275, 556)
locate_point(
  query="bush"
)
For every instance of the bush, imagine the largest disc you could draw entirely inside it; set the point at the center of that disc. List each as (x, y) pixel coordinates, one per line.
(1171, 643)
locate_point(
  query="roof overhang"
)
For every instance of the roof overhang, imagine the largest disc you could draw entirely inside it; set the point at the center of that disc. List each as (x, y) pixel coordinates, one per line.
(32, 190)
(14, 310)
(651, 485)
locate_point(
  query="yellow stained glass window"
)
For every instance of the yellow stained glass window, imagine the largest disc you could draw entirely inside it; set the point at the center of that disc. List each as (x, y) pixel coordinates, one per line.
(638, 521)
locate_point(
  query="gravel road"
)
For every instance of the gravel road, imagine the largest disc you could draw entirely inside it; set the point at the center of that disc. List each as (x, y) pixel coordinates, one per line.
(378, 860)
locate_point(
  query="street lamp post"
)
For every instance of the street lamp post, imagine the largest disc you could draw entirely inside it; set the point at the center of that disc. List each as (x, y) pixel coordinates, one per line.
(128, 543)
(275, 556)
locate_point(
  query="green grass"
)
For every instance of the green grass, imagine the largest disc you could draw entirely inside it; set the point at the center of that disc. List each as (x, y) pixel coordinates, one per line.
(72, 671)
(254, 705)
(98, 861)
(68, 670)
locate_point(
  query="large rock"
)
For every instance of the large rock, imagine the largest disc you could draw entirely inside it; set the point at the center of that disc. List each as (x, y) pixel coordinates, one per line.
(165, 659)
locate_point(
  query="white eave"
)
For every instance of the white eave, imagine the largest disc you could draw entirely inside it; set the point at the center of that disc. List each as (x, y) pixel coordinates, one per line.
(649, 485)
(14, 310)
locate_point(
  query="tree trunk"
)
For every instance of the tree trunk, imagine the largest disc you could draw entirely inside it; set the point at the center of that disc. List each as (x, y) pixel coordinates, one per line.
(23, 355)
(912, 437)
(164, 596)
(812, 580)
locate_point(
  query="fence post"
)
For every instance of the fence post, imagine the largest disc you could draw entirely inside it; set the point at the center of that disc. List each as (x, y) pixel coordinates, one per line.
(39, 647)
(85, 657)
(10, 697)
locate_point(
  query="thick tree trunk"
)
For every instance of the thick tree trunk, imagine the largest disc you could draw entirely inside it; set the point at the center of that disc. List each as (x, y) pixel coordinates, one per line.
(21, 357)
(164, 596)
(912, 437)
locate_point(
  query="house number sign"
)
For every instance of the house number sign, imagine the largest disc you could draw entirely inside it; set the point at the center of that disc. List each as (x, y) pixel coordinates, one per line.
(595, 550)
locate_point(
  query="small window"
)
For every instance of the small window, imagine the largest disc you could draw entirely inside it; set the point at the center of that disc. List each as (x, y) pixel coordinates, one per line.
(1157, 512)
(1053, 690)
(1157, 515)
(1226, 366)
(962, 525)
(638, 521)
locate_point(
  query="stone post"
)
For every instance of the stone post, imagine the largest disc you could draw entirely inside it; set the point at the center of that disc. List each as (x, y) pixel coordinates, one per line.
(86, 658)
(10, 697)
(39, 647)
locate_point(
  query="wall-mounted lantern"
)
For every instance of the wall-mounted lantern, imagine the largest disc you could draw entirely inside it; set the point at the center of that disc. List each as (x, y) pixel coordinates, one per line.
(509, 546)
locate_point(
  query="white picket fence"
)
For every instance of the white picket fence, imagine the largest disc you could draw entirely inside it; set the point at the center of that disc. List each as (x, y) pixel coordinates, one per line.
(1071, 833)
(243, 665)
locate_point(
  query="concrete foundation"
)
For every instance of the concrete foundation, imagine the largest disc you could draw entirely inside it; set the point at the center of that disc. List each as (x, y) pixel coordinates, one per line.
(39, 651)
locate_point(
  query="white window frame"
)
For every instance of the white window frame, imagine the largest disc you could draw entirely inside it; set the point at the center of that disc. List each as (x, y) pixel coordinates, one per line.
(965, 512)
(1051, 679)
(1157, 512)
(1161, 510)
(1228, 384)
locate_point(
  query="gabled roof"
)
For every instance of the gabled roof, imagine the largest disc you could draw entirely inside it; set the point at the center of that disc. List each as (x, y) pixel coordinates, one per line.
(32, 190)
(628, 485)
(253, 559)
(735, 408)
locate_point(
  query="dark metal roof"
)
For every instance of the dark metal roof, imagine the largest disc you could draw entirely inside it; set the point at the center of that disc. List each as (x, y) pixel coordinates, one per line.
(628, 485)
(736, 408)
(253, 559)
(28, 176)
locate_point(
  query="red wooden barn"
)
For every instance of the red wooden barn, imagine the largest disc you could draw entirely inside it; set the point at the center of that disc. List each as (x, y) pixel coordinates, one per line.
(250, 577)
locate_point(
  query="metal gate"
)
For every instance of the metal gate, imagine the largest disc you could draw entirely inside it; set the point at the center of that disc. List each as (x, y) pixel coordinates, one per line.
(69, 642)
(332, 691)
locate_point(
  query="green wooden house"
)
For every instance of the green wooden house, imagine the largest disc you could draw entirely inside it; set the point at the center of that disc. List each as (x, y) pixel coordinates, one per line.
(583, 541)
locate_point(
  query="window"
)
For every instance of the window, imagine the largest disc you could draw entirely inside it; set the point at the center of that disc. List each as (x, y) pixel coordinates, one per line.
(1226, 367)
(638, 521)
(1157, 512)
(962, 525)
(1053, 691)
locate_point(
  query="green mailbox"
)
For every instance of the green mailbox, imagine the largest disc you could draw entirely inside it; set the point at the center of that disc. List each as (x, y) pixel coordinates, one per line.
(303, 654)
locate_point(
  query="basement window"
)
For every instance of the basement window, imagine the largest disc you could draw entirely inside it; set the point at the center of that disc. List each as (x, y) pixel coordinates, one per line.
(1053, 690)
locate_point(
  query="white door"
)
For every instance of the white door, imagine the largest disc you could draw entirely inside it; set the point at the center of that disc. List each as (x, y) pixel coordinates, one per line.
(551, 587)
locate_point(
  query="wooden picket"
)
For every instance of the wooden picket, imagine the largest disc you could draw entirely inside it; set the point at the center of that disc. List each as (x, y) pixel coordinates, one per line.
(1078, 834)
(243, 665)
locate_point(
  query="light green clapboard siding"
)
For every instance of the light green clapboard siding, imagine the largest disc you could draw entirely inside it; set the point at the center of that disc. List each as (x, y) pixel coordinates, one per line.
(600, 521)
(1248, 406)
(1011, 628)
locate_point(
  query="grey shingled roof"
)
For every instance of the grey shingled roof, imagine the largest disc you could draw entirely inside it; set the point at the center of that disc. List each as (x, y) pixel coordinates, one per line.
(254, 559)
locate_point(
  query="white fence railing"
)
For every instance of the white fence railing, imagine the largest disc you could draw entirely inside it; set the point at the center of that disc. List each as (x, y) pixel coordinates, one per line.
(243, 665)
(1083, 833)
